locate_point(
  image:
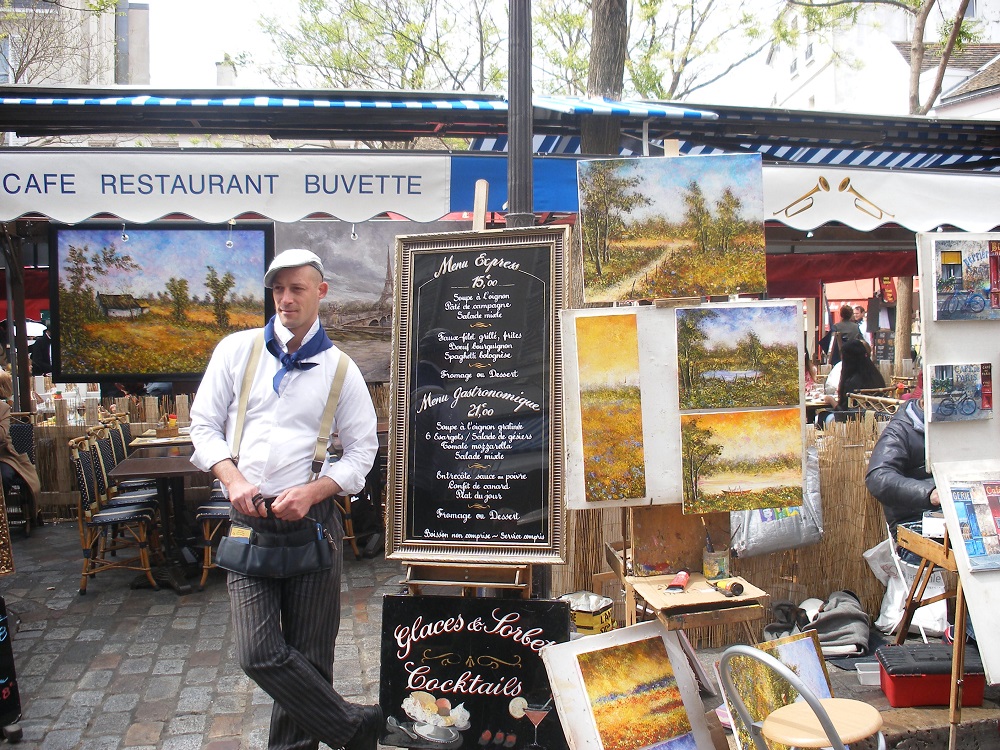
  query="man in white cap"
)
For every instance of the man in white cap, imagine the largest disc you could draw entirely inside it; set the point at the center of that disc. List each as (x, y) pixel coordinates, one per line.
(286, 628)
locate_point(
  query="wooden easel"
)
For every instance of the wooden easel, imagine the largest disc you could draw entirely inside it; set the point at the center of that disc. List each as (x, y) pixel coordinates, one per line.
(470, 577)
(942, 555)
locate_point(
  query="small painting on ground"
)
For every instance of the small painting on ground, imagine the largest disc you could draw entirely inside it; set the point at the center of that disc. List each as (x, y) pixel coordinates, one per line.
(739, 356)
(966, 279)
(961, 392)
(741, 460)
(673, 227)
(629, 689)
(152, 302)
(611, 407)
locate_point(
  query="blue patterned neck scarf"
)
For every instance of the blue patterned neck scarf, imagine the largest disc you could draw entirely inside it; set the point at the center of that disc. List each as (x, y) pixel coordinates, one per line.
(317, 344)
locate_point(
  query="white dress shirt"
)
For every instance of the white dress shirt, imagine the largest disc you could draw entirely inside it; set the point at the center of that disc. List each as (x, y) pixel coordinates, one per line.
(280, 429)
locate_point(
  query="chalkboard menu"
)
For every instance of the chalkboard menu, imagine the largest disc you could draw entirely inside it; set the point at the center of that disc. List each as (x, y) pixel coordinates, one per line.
(477, 441)
(459, 672)
(885, 345)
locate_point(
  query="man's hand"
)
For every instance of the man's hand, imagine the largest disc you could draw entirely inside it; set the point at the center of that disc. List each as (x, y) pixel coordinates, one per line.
(935, 498)
(294, 503)
(242, 494)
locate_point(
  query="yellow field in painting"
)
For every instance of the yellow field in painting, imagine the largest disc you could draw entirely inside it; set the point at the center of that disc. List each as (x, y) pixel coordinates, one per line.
(633, 695)
(611, 407)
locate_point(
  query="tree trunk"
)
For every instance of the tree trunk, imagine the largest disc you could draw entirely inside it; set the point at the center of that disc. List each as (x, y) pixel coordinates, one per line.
(904, 321)
(600, 134)
(917, 48)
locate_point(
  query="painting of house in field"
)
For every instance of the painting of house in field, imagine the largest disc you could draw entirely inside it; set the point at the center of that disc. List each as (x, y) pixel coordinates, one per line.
(672, 227)
(359, 260)
(739, 356)
(961, 392)
(966, 279)
(611, 407)
(741, 460)
(152, 302)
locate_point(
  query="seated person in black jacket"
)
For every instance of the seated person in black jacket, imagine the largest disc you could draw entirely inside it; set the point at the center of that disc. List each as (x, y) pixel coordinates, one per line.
(897, 475)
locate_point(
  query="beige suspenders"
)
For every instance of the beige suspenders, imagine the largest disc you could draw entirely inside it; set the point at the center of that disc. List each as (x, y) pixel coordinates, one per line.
(326, 421)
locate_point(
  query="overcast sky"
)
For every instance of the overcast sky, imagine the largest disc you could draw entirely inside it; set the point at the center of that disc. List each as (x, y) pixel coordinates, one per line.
(187, 38)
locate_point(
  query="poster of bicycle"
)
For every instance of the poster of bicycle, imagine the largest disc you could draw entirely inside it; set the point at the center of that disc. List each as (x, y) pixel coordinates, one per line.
(961, 392)
(966, 279)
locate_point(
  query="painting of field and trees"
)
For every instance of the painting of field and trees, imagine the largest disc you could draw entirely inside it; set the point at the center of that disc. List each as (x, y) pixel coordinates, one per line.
(738, 356)
(673, 227)
(741, 460)
(153, 302)
(634, 697)
(611, 407)
(763, 691)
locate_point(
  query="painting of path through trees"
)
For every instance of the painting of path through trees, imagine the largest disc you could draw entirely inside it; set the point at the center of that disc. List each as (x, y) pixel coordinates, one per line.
(672, 227)
(153, 302)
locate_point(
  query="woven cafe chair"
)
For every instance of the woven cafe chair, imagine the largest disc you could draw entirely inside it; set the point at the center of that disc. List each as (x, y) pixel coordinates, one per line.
(22, 438)
(810, 722)
(134, 524)
(108, 491)
(213, 517)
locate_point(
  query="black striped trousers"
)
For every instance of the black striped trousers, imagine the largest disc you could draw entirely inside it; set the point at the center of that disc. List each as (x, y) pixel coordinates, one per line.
(286, 630)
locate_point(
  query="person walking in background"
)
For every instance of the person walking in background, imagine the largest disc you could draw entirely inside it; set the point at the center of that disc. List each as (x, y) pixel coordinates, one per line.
(842, 332)
(859, 318)
(286, 628)
(40, 354)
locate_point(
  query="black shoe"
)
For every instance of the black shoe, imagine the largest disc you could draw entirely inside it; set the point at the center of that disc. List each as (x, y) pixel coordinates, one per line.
(366, 735)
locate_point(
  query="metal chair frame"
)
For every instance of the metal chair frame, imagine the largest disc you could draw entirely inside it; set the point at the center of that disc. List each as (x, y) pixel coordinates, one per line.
(754, 727)
(214, 519)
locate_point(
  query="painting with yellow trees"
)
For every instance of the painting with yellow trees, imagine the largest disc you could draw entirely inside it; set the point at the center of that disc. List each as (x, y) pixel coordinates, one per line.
(672, 227)
(607, 350)
(629, 689)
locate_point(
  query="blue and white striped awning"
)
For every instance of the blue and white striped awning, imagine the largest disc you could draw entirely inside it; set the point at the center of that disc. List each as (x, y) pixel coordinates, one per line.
(569, 105)
(776, 154)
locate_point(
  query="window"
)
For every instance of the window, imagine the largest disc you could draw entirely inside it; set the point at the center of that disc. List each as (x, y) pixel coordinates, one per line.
(794, 67)
(809, 52)
(7, 62)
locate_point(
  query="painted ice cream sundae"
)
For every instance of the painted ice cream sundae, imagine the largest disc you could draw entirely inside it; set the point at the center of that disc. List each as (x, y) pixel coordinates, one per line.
(435, 719)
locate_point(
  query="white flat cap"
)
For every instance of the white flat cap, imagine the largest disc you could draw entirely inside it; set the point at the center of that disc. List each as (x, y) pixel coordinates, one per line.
(292, 259)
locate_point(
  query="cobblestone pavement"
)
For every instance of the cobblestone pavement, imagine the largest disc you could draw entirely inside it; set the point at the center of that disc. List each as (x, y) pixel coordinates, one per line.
(142, 669)
(137, 668)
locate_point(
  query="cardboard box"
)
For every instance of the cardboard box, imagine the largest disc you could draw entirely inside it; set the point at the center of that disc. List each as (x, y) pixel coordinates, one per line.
(590, 612)
(920, 675)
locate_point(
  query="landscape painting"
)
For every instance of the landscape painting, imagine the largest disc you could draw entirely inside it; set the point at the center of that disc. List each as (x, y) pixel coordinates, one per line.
(359, 264)
(966, 279)
(688, 226)
(763, 691)
(628, 689)
(961, 392)
(742, 460)
(151, 302)
(739, 356)
(611, 407)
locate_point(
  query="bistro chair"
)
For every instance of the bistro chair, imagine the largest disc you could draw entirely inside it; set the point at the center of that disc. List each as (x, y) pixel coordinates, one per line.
(134, 525)
(213, 516)
(22, 508)
(109, 491)
(806, 723)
